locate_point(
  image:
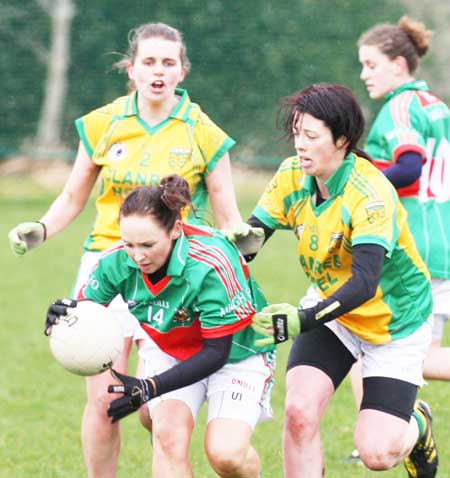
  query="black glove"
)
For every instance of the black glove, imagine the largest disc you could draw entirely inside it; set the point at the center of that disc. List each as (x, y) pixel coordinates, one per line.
(54, 312)
(136, 392)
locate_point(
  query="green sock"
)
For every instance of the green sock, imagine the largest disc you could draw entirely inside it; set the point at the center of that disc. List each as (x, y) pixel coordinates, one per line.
(421, 421)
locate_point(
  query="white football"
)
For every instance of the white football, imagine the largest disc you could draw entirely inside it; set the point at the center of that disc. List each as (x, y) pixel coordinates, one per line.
(87, 340)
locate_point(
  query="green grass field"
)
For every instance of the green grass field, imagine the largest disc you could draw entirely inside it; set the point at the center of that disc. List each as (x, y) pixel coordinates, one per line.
(41, 404)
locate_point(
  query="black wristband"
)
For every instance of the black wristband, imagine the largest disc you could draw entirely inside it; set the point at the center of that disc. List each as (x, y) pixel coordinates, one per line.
(280, 329)
(45, 229)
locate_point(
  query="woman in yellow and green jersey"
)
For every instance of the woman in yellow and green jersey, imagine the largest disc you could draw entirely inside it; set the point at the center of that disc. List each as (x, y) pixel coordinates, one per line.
(136, 140)
(355, 246)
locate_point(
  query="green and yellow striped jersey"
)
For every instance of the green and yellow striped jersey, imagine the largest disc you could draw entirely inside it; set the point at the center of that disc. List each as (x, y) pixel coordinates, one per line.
(363, 208)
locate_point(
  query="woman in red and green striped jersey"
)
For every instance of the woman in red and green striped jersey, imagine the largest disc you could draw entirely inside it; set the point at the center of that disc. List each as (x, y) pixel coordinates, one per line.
(191, 291)
(410, 142)
(135, 140)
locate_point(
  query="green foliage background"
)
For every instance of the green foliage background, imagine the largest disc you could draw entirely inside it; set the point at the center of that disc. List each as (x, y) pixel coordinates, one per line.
(245, 56)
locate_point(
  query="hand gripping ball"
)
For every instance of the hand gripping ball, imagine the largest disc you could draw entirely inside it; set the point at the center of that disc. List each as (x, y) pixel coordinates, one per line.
(87, 340)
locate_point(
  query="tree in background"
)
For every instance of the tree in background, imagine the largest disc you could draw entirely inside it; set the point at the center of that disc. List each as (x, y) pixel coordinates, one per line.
(245, 56)
(48, 139)
(28, 64)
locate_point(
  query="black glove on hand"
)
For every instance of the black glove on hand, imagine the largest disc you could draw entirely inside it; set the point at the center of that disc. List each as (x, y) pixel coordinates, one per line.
(57, 309)
(136, 392)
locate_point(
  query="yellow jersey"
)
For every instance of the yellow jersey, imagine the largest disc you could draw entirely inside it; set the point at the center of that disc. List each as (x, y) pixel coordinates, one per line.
(363, 208)
(131, 153)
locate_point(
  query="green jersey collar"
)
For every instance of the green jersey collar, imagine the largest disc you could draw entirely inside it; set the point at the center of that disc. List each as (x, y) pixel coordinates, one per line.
(413, 85)
(179, 255)
(180, 110)
(336, 182)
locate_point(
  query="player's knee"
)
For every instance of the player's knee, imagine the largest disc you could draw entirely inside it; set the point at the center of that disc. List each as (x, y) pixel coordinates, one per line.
(301, 419)
(98, 402)
(381, 455)
(226, 458)
(172, 439)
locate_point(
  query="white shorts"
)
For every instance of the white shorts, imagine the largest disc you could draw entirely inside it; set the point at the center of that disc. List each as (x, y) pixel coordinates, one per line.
(441, 296)
(310, 299)
(401, 359)
(130, 324)
(239, 390)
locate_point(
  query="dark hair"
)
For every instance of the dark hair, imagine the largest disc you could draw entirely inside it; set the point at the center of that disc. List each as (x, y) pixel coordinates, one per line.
(333, 104)
(151, 30)
(409, 39)
(164, 202)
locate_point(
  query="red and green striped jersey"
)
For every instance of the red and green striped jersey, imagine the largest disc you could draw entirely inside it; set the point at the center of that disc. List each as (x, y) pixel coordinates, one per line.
(413, 119)
(363, 208)
(207, 293)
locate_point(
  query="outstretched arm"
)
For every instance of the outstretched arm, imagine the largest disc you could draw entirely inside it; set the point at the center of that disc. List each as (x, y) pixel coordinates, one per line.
(66, 207)
(74, 196)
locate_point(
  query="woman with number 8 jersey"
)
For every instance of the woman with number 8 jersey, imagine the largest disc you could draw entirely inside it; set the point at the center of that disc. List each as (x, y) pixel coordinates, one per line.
(354, 244)
(136, 140)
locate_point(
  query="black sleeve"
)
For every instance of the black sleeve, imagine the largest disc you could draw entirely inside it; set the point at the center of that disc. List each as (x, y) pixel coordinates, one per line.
(406, 170)
(255, 222)
(212, 357)
(367, 263)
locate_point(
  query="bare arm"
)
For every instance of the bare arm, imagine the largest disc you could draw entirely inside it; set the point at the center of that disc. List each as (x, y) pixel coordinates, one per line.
(74, 196)
(222, 196)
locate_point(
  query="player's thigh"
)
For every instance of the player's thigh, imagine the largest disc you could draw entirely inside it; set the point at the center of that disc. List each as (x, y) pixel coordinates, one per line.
(386, 410)
(241, 390)
(97, 385)
(156, 362)
(308, 392)
(172, 425)
(324, 350)
(227, 438)
(317, 364)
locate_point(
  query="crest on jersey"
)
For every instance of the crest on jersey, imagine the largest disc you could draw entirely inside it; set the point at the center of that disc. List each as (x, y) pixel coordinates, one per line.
(117, 152)
(181, 315)
(178, 157)
(375, 211)
(335, 241)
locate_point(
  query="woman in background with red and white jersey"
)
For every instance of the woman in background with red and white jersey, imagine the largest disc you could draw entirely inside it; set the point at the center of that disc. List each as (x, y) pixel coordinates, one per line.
(410, 142)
